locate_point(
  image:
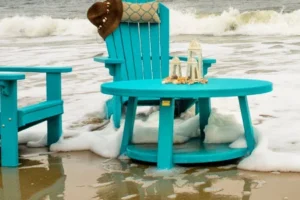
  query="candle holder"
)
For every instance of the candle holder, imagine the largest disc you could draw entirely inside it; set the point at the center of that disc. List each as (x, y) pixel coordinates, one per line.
(194, 71)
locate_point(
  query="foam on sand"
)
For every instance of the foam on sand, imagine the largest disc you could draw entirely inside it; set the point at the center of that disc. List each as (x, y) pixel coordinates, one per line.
(264, 159)
(106, 142)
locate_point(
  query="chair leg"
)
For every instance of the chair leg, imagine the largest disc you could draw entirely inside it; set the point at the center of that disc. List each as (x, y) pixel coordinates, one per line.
(109, 108)
(117, 111)
(249, 135)
(204, 109)
(165, 134)
(197, 107)
(54, 129)
(9, 126)
(183, 105)
(11, 183)
(129, 123)
(54, 124)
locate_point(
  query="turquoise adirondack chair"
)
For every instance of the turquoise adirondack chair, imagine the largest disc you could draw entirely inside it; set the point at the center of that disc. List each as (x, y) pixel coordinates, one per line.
(141, 51)
(14, 119)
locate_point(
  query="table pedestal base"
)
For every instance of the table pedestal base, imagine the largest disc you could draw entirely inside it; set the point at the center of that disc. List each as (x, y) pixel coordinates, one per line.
(192, 151)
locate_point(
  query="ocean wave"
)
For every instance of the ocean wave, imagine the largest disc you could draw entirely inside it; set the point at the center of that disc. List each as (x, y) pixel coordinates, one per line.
(229, 22)
(41, 26)
(234, 22)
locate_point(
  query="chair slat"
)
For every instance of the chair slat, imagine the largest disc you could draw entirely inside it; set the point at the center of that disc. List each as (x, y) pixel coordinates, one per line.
(120, 52)
(144, 33)
(155, 52)
(164, 39)
(110, 45)
(136, 50)
(112, 52)
(126, 38)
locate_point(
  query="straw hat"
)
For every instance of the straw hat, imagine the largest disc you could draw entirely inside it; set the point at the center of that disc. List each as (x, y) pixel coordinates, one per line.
(106, 16)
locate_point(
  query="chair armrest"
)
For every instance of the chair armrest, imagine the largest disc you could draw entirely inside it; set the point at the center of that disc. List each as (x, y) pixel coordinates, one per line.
(11, 76)
(205, 60)
(5, 79)
(38, 69)
(107, 60)
(113, 65)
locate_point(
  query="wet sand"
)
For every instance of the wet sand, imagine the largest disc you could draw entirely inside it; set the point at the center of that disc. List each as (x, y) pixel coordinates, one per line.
(84, 175)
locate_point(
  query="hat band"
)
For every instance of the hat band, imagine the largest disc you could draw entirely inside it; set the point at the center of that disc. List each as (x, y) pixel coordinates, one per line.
(105, 18)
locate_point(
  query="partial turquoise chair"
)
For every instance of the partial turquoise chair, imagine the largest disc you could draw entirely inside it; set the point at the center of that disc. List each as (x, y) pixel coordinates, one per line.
(141, 51)
(14, 119)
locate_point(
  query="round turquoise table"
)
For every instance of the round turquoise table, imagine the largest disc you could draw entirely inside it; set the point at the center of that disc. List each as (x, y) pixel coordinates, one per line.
(194, 151)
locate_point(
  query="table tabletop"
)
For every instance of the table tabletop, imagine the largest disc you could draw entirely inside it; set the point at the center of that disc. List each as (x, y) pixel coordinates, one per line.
(216, 87)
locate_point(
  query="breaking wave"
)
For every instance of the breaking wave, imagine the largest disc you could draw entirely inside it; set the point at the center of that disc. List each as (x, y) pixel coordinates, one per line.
(234, 22)
(229, 22)
(41, 26)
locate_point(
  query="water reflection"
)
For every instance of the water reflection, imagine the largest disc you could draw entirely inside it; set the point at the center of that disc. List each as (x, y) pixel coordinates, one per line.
(126, 180)
(33, 180)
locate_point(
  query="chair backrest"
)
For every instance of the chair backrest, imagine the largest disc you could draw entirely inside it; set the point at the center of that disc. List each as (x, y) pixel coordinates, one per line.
(143, 46)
